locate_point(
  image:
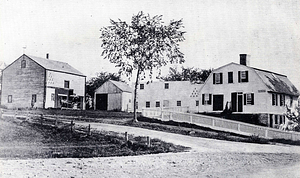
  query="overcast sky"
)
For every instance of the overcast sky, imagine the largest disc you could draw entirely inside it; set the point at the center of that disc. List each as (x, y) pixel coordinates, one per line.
(217, 31)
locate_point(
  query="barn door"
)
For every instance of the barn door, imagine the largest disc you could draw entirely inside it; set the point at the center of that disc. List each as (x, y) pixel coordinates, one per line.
(101, 102)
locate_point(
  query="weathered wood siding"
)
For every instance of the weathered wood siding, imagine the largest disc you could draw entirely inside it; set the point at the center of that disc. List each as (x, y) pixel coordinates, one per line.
(22, 83)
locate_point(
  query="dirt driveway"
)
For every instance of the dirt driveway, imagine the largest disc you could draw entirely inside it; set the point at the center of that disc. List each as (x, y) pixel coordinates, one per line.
(208, 158)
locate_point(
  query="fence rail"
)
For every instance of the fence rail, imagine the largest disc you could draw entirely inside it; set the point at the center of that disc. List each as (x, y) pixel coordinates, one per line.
(220, 124)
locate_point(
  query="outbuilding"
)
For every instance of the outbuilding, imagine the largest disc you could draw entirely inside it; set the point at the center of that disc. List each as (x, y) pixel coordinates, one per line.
(113, 96)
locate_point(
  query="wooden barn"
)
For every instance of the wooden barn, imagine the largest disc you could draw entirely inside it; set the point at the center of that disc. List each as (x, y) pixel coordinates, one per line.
(113, 96)
(37, 82)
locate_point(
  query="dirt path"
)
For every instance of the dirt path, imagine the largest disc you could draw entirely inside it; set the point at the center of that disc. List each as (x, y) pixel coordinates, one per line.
(198, 144)
(208, 158)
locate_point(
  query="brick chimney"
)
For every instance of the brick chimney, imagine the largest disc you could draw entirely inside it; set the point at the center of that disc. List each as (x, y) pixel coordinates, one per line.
(244, 59)
(47, 56)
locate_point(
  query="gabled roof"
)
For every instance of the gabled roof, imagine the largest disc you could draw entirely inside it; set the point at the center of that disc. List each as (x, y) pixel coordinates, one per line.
(277, 82)
(53, 65)
(274, 82)
(122, 86)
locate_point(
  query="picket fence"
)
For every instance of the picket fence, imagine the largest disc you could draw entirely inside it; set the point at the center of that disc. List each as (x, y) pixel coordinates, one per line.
(219, 123)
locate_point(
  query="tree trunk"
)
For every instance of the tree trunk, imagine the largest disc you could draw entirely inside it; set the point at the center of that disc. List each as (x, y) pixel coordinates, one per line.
(135, 92)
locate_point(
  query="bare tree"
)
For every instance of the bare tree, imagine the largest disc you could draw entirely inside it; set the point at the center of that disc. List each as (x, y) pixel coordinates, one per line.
(143, 45)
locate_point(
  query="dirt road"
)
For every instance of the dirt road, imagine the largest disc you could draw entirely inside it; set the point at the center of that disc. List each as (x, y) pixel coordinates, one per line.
(208, 158)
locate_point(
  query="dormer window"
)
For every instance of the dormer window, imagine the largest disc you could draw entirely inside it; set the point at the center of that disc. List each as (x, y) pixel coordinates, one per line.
(23, 64)
(166, 85)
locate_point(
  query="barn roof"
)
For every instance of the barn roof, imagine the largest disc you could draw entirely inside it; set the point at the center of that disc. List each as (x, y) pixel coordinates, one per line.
(122, 86)
(55, 65)
(277, 82)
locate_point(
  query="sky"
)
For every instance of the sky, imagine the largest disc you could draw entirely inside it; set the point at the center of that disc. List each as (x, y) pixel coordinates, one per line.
(217, 31)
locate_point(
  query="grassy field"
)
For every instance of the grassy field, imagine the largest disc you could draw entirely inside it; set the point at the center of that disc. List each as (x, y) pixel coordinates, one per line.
(21, 140)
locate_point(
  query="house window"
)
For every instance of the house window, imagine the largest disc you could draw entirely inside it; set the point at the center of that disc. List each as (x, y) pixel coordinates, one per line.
(166, 85)
(157, 104)
(243, 76)
(52, 97)
(147, 104)
(282, 99)
(206, 99)
(23, 64)
(197, 102)
(34, 98)
(249, 99)
(230, 77)
(142, 86)
(274, 99)
(178, 103)
(217, 78)
(67, 84)
(9, 99)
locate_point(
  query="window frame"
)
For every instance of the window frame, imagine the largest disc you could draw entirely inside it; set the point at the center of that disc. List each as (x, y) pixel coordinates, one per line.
(218, 76)
(167, 86)
(248, 98)
(204, 97)
(23, 64)
(230, 77)
(9, 99)
(243, 80)
(274, 99)
(68, 84)
(148, 104)
(178, 103)
(157, 104)
(281, 99)
(142, 86)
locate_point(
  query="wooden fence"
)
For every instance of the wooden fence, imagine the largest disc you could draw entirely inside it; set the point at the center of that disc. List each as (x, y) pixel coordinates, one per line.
(220, 124)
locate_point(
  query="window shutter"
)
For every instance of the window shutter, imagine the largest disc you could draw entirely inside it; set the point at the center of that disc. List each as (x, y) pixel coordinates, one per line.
(247, 79)
(252, 98)
(239, 76)
(221, 78)
(209, 102)
(245, 99)
(214, 78)
(203, 99)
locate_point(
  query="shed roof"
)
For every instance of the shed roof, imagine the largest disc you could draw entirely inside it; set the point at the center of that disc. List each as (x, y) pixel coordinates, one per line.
(122, 86)
(55, 65)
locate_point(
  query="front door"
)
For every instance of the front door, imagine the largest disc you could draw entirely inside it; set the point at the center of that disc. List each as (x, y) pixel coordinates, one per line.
(218, 102)
(101, 102)
(237, 102)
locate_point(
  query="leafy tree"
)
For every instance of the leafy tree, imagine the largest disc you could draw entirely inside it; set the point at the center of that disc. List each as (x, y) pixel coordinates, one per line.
(143, 45)
(95, 82)
(195, 75)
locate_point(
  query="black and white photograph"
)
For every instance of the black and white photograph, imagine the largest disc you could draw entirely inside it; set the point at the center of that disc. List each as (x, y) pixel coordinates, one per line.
(149, 88)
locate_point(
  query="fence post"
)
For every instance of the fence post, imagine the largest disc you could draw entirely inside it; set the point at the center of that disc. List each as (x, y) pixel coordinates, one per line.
(170, 115)
(126, 136)
(266, 133)
(72, 125)
(1, 113)
(56, 124)
(191, 119)
(15, 116)
(213, 122)
(89, 130)
(239, 127)
(42, 119)
(148, 141)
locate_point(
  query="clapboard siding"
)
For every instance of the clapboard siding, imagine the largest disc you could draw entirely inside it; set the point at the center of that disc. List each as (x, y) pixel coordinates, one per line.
(22, 83)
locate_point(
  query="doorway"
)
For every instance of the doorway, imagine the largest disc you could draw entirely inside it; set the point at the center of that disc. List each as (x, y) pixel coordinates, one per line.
(101, 102)
(237, 102)
(218, 101)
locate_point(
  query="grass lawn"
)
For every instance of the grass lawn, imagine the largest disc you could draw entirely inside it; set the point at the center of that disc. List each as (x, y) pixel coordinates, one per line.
(22, 140)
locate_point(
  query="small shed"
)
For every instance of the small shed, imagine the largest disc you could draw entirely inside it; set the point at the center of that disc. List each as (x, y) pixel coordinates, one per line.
(113, 96)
